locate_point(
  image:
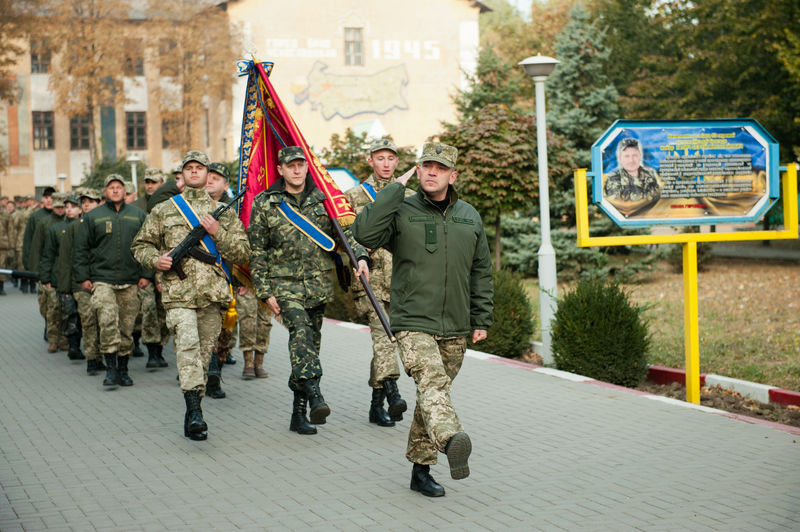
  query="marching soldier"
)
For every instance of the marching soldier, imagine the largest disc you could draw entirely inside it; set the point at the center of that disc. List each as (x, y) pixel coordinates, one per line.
(194, 305)
(291, 270)
(20, 221)
(105, 265)
(384, 370)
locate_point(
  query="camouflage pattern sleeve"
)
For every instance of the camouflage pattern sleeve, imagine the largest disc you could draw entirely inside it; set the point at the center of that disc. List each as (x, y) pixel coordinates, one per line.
(231, 240)
(258, 234)
(146, 247)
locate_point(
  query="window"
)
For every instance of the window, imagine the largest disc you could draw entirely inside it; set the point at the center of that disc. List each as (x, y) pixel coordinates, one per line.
(134, 60)
(40, 57)
(136, 131)
(166, 52)
(353, 47)
(79, 133)
(43, 130)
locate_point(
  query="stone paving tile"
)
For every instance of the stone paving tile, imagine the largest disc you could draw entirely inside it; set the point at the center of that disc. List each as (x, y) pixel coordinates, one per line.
(549, 454)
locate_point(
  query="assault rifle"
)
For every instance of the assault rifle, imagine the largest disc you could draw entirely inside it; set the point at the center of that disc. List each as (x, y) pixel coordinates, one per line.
(189, 246)
(20, 274)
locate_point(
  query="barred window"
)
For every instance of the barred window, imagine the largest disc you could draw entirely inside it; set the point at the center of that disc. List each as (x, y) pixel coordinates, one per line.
(136, 130)
(354, 46)
(43, 138)
(40, 57)
(79, 133)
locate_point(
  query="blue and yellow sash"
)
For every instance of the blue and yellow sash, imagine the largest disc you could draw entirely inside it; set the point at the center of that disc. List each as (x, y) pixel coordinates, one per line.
(306, 226)
(206, 242)
(369, 190)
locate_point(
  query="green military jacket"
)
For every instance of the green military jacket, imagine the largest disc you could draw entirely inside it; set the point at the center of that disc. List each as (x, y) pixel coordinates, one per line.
(165, 228)
(36, 248)
(66, 282)
(162, 194)
(49, 271)
(442, 269)
(27, 236)
(285, 262)
(101, 251)
(380, 271)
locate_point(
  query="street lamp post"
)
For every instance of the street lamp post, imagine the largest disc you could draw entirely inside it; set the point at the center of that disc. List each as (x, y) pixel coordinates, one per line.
(133, 160)
(538, 68)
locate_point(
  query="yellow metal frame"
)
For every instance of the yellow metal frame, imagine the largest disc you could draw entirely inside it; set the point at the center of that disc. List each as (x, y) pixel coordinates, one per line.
(689, 242)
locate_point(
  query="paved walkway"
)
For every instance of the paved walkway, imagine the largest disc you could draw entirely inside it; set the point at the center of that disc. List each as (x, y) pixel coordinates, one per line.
(549, 453)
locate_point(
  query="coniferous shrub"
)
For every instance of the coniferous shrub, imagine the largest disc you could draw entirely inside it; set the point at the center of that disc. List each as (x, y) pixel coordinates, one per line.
(598, 332)
(510, 334)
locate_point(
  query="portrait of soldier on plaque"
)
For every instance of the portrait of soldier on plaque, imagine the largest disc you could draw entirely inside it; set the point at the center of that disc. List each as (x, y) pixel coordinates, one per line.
(633, 186)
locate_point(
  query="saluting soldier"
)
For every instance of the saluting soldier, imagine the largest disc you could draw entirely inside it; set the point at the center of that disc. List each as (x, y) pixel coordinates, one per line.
(291, 271)
(105, 265)
(194, 305)
(384, 370)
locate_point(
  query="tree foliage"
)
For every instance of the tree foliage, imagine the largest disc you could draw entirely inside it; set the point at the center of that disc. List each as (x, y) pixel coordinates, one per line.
(350, 151)
(494, 82)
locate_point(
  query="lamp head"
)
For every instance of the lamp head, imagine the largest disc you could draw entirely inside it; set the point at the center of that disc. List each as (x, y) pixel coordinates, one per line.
(539, 65)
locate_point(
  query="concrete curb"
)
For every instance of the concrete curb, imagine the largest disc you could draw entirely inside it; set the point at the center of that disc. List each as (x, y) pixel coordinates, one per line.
(760, 392)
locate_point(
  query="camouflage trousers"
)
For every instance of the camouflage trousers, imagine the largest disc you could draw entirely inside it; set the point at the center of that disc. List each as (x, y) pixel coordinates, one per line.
(91, 339)
(194, 332)
(255, 323)
(433, 362)
(116, 307)
(154, 317)
(305, 336)
(384, 352)
(4, 253)
(48, 298)
(70, 320)
(41, 297)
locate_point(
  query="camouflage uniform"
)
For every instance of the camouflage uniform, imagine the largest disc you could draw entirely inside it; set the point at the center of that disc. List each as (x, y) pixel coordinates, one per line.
(194, 306)
(154, 317)
(49, 304)
(621, 185)
(6, 241)
(116, 307)
(255, 323)
(20, 219)
(288, 265)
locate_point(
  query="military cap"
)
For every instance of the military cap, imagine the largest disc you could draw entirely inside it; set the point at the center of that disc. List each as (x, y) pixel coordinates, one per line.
(91, 194)
(439, 152)
(73, 198)
(58, 199)
(113, 177)
(220, 169)
(177, 170)
(382, 144)
(129, 188)
(196, 156)
(153, 174)
(48, 191)
(291, 153)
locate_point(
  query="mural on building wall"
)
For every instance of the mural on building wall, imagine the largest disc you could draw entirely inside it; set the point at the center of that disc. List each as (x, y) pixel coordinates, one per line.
(351, 95)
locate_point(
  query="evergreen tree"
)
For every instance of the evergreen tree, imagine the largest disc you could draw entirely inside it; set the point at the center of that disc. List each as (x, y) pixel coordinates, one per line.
(494, 82)
(581, 98)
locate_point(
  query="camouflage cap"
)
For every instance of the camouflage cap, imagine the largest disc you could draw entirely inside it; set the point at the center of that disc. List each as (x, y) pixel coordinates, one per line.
(113, 177)
(58, 199)
(291, 153)
(73, 198)
(382, 144)
(220, 169)
(91, 194)
(196, 156)
(153, 174)
(439, 152)
(129, 188)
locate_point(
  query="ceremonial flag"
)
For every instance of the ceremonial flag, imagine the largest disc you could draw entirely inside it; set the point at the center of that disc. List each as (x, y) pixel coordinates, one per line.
(266, 128)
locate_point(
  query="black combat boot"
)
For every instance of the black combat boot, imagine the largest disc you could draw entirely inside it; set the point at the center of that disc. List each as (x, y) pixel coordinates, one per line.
(137, 351)
(193, 425)
(316, 403)
(397, 404)
(422, 481)
(152, 356)
(376, 412)
(213, 387)
(458, 450)
(112, 378)
(122, 369)
(74, 352)
(23, 285)
(2, 292)
(299, 423)
(161, 362)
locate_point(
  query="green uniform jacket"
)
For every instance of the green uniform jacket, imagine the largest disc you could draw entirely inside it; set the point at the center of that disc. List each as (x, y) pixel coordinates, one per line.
(27, 236)
(442, 269)
(102, 248)
(66, 279)
(49, 265)
(162, 194)
(36, 248)
(286, 263)
(165, 228)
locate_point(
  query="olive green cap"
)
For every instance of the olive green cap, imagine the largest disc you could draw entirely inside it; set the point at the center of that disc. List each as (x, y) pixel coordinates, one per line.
(129, 188)
(91, 194)
(196, 156)
(382, 144)
(220, 169)
(154, 175)
(291, 153)
(58, 199)
(113, 177)
(73, 198)
(439, 152)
